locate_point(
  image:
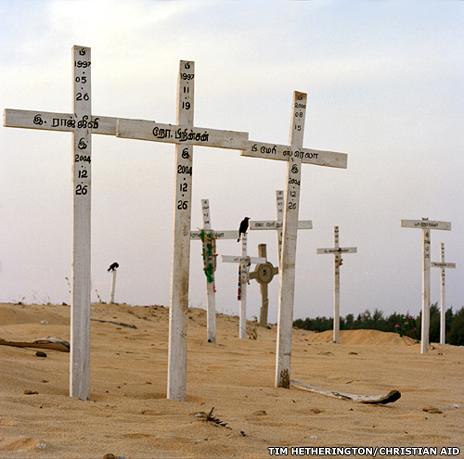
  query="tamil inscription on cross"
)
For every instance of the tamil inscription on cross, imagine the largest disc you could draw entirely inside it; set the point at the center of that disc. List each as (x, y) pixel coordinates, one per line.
(426, 226)
(338, 261)
(82, 125)
(184, 135)
(443, 266)
(208, 236)
(244, 262)
(295, 155)
(258, 225)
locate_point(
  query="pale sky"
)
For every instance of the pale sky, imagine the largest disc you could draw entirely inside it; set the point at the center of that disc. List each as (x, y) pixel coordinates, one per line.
(385, 84)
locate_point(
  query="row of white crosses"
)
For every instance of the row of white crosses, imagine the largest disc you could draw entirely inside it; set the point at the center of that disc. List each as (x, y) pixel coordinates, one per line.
(184, 135)
(426, 226)
(336, 251)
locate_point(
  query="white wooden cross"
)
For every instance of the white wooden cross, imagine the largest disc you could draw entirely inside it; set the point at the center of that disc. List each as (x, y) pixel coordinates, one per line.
(443, 265)
(82, 124)
(278, 224)
(338, 261)
(425, 225)
(244, 269)
(294, 155)
(184, 135)
(208, 237)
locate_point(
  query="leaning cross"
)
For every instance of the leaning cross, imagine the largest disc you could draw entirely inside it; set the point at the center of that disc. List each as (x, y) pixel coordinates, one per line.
(338, 261)
(443, 266)
(208, 238)
(263, 274)
(82, 124)
(243, 277)
(294, 155)
(426, 225)
(278, 224)
(184, 135)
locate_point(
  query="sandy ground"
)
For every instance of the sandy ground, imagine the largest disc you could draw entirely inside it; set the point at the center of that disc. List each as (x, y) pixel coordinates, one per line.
(129, 416)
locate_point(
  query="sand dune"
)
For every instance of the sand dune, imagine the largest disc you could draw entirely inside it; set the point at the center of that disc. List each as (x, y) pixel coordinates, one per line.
(129, 416)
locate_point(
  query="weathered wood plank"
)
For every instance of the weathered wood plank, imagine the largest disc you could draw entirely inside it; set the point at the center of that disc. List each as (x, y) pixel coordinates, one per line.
(177, 352)
(81, 265)
(337, 250)
(426, 224)
(228, 234)
(274, 225)
(306, 155)
(180, 134)
(436, 264)
(54, 121)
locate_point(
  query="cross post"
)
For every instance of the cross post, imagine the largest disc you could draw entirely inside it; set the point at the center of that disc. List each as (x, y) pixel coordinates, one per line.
(244, 262)
(426, 226)
(294, 155)
(113, 285)
(443, 265)
(184, 135)
(208, 238)
(338, 261)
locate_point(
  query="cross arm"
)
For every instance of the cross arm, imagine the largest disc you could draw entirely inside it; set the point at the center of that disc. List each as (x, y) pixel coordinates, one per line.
(436, 264)
(182, 135)
(217, 234)
(238, 259)
(284, 153)
(273, 225)
(426, 224)
(337, 251)
(53, 121)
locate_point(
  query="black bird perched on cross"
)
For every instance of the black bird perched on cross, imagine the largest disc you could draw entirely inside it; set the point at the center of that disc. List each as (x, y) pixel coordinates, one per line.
(113, 267)
(243, 227)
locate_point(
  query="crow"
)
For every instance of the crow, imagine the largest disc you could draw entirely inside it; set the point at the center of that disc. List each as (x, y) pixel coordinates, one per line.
(243, 228)
(113, 266)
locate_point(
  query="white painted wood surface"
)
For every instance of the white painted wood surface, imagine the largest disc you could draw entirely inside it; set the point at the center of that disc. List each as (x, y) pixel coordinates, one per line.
(244, 262)
(177, 351)
(443, 265)
(113, 285)
(181, 133)
(336, 251)
(426, 226)
(227, 234)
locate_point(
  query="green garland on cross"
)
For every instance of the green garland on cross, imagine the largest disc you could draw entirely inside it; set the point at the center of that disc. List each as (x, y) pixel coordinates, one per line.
(209, 254)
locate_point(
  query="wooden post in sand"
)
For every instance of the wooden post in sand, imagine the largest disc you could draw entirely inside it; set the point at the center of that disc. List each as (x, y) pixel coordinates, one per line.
(184, 135)
(425, 225)
(294, 155)
(259, 225)
(263, 274)
(113, 285)
(443, 265)
(82, 124)
(243, 277)
(208, 238)
(338, 261)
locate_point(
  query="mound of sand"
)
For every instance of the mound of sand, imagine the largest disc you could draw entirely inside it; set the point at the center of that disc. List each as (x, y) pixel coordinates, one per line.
(128, 414)
(363, 337)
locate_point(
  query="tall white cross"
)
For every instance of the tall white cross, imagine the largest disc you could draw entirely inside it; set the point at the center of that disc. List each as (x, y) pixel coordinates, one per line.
(425, 225)
(208, 237)
(244, 269)
(338, 261)
(443, 265)
(184, 135)
(278, 224)
(82, 124)
(294, 155)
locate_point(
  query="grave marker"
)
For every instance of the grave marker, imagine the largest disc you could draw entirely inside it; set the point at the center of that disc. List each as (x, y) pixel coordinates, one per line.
(243, 275)
(208, 238)
(185, 136)
(263, 274)
(443, 265)
(426, 225)
(82, 124)
(338, 261)
(295, 155)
